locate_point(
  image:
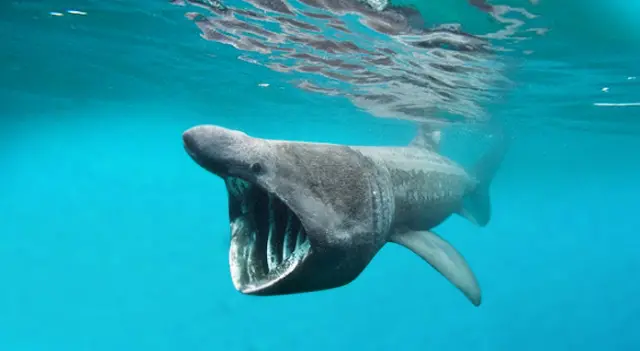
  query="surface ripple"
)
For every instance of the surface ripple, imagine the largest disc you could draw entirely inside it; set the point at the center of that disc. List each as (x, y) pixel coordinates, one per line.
(385, 58)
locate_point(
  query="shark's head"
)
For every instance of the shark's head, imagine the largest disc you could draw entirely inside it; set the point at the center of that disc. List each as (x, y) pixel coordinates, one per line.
(303, 216)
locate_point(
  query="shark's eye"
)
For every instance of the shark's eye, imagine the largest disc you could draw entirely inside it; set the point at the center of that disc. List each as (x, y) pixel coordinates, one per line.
(256, 167)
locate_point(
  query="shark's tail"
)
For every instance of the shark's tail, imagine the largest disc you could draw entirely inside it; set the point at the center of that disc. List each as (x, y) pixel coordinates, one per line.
(476, 205)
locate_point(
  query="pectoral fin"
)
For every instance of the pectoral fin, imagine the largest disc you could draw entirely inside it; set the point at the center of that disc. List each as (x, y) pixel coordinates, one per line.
(444, 258)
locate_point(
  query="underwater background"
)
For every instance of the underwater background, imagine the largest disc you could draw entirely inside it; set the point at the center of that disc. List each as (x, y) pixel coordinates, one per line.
(112, 238)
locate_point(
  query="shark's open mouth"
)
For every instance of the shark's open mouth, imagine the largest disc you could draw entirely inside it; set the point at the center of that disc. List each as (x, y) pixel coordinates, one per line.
(268, 240)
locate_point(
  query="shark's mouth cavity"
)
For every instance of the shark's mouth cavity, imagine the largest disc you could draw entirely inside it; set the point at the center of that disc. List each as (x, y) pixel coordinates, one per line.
(268, 240)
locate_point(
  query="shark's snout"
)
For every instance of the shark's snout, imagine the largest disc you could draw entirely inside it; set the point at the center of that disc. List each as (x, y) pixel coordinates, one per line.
(197, 139)
(215, 148)
(189, 141)
(210, 138)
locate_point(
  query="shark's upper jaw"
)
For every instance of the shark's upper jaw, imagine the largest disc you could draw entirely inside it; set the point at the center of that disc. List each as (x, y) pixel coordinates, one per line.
(268, 240)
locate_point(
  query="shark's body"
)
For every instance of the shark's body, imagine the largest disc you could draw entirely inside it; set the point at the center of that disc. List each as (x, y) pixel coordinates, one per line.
(427, 187)
(311, 216)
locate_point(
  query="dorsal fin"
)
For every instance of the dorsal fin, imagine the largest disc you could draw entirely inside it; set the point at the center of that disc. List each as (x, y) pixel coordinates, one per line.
(426, 137)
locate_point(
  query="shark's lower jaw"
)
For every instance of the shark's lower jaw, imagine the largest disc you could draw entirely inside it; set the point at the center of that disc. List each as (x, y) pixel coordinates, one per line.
(268, 240)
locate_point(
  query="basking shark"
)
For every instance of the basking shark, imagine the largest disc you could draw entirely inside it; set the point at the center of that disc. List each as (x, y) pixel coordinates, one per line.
(311, 216)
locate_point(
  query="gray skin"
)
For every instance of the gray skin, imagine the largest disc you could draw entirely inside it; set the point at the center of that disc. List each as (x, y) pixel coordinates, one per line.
(311, 216)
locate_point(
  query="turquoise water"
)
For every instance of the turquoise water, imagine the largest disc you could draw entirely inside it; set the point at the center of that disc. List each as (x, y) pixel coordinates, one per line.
(112, 238)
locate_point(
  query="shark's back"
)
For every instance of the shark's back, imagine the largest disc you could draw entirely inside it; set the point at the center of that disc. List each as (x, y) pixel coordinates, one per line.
(428, 187)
